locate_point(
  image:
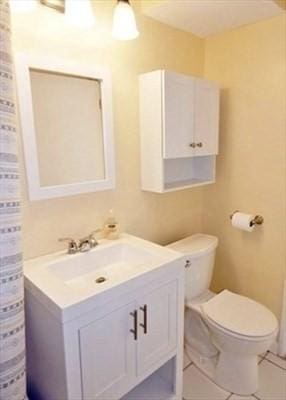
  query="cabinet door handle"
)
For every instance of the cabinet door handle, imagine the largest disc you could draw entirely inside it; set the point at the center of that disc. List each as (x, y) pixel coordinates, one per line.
(135, 320)
(199, 144)
(144, 325)
(193, 145)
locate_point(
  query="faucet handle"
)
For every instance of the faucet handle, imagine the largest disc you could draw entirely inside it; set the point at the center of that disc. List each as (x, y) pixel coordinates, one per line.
(92, 240)
(66, 239)
(72, 244)
(89, 241)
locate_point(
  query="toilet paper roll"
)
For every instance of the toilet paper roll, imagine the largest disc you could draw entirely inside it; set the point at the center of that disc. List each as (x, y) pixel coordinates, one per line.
(242, 221)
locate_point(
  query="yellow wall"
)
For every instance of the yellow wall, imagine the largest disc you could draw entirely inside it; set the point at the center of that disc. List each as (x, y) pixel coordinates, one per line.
(160, 218)
(249, 64)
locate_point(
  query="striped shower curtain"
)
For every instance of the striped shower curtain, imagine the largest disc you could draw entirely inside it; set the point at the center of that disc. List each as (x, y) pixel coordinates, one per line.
(12, 329)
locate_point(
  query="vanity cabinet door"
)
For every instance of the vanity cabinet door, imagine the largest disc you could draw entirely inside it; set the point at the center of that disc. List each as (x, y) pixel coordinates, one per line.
(108, 355)
(206, 118)
(178, 118)
(157, 319)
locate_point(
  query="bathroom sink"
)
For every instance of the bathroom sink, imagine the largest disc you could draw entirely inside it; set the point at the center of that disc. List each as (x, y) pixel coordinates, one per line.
(109, 262)
(70, 285)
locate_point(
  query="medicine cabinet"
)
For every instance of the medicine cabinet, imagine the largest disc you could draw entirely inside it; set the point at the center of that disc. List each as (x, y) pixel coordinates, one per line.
(179, 118)
(67, 125)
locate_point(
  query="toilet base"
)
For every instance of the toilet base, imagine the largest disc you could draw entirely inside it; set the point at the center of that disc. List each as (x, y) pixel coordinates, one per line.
(239, 375)
(206, 364)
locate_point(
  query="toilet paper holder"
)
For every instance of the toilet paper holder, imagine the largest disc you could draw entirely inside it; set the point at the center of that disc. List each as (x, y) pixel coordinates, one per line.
(257, 220)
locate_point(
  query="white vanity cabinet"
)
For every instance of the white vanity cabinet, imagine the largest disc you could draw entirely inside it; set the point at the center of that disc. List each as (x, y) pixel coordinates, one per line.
(179, 118)
(157, 315)
(107, 354)
(125, 342)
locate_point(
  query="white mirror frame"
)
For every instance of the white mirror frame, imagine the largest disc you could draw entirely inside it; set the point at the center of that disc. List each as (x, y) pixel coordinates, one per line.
(23, 63)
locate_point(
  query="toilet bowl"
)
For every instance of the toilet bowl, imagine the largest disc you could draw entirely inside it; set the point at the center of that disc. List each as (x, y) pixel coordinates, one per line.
(225, 332)
(240, 329)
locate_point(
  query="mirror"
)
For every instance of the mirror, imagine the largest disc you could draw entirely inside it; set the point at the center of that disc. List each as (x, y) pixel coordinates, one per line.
(66, 117)
(76, 129)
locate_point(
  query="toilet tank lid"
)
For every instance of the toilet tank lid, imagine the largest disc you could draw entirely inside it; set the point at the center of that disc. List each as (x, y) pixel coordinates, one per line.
(195, 244)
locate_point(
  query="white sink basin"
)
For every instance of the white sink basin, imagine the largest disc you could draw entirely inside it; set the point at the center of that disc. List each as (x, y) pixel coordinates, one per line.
(108, 262)
(72, 284)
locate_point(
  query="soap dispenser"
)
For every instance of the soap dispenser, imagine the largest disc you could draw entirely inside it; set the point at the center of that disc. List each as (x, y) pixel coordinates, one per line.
(111, 227)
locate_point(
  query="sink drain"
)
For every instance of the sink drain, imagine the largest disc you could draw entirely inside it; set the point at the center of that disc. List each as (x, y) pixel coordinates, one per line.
(101, 279)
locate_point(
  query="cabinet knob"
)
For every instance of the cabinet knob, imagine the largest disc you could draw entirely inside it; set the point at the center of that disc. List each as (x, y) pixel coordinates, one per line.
(199, 144)
(193, 145)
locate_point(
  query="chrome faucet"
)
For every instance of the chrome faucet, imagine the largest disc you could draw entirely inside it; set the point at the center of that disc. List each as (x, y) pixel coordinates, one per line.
(88, 242)
(72, 245)
(82, 245)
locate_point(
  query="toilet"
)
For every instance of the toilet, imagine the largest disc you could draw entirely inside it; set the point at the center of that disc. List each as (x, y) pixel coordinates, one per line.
(225, 332)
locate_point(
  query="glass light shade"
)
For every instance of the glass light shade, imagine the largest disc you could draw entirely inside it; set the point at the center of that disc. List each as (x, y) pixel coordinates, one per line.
(124, 23)
(23, 6)
(79, 13)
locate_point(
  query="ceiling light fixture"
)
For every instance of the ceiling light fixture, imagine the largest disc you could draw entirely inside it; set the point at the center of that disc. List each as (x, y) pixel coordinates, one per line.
(124, 23)
(58, 5)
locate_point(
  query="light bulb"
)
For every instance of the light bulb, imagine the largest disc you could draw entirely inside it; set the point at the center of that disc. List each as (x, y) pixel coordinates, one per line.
(79, 13)
(23, 6)
(124, 23)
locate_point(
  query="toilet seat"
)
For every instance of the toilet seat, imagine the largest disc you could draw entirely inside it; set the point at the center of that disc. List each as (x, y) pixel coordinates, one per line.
(240, 316)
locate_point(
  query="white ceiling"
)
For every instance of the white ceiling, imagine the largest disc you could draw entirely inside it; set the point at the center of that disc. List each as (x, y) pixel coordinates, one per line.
(208, 17)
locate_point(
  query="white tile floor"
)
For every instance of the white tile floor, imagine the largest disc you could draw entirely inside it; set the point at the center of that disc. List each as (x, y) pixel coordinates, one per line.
(272, 382)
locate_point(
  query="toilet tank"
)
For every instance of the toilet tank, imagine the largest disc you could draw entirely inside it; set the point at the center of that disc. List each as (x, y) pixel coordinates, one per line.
(199, 250)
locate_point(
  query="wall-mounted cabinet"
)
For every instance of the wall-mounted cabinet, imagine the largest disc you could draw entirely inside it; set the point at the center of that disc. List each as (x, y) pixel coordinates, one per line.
(179, 118)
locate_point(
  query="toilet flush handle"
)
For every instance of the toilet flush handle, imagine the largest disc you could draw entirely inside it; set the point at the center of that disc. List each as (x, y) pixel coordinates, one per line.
(188, 264)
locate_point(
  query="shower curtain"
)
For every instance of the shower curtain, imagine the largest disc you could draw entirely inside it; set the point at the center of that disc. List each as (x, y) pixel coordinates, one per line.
(12, 328)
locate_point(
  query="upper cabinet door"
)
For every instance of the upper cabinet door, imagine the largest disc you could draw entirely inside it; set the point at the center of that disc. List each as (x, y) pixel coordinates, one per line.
(178, 115)
(206, 117)
(157, 315)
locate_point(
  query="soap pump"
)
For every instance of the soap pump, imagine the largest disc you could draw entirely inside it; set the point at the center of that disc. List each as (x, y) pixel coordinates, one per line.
(111, 227)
